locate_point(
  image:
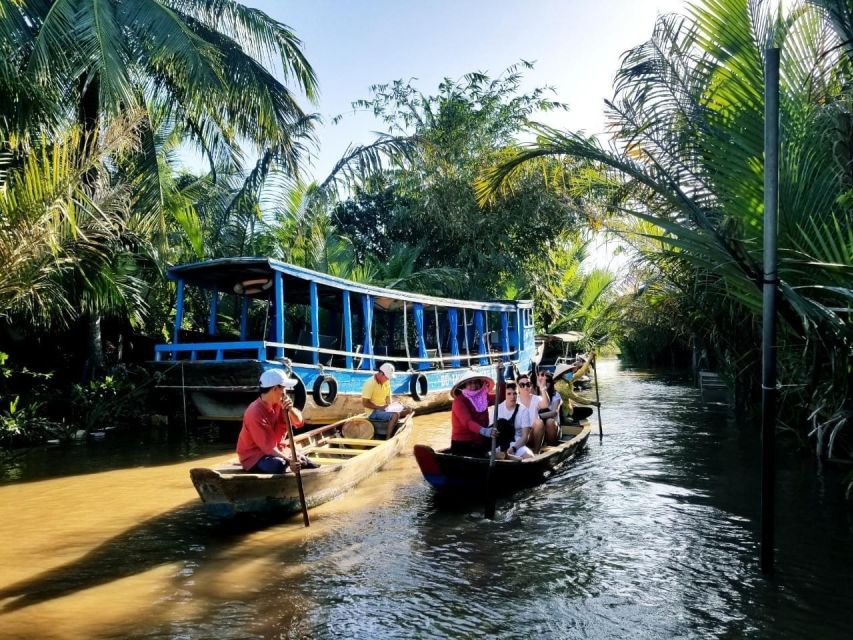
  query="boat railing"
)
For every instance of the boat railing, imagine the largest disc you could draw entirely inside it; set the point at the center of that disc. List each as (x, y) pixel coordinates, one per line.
(512, 354)
(260, 347)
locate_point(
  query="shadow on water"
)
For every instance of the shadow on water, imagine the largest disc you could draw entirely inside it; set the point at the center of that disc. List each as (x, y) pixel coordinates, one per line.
(173, 537)
(119, 451)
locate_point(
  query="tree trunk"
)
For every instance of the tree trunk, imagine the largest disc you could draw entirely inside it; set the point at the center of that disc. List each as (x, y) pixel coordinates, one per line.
(87, 116)
(94, 347)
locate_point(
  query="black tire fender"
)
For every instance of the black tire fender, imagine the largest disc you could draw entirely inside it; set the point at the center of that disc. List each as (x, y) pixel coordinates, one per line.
(418, 386)
(298, 395)
(324, 399)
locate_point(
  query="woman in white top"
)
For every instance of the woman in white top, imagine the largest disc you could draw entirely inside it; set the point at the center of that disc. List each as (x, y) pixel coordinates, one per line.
(551, 415)
(506, 410)
(533, 404)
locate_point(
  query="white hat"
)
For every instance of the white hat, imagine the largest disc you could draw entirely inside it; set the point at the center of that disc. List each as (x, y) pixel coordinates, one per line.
(275, 377)
(562, 369)
(472, 375)
(387, 369)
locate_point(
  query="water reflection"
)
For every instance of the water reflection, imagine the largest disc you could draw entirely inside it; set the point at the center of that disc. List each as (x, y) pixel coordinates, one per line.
(649, 534)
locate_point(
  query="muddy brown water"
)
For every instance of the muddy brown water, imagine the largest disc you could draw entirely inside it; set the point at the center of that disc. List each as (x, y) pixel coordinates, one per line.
(650, 534)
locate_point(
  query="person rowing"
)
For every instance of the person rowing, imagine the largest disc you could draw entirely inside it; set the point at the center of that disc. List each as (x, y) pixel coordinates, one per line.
(261, 445)
(564, 375)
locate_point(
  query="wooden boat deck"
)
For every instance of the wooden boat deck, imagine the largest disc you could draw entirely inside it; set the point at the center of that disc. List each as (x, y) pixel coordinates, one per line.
(342, 463)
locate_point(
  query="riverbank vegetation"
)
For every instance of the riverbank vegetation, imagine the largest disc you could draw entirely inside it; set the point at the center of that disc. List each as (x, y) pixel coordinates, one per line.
(455, 198)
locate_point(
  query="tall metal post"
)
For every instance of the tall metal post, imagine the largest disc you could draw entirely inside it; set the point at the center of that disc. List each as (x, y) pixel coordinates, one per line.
(770, 286)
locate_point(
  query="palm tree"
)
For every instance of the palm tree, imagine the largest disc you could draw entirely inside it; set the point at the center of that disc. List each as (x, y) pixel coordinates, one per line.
(200, 65)
(205, 62)
(688, 122)
(67, 248)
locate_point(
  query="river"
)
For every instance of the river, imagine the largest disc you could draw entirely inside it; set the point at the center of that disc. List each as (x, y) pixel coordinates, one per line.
(650, 534)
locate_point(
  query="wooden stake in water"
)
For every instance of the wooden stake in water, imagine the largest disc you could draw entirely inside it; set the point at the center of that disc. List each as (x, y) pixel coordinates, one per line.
(597, 400)
(489, 510)
(770, 287)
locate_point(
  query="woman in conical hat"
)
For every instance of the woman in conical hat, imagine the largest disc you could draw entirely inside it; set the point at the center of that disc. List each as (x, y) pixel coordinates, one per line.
(564, 374)
(472, 375)
(470, 433)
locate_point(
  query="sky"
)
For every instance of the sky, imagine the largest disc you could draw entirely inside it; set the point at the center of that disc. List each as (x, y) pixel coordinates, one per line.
(576, 46)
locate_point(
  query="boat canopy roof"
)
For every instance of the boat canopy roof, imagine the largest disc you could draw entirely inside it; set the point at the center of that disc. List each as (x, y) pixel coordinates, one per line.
(232, 274)
(570, 336)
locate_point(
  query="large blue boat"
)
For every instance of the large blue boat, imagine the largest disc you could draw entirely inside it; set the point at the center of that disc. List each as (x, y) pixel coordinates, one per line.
(331, 334)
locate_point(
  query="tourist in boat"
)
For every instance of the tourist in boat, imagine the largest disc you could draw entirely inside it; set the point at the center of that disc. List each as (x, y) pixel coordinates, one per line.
(260, 445)
(376, 396)
(564, 375)
(532, 404)
(551, 415)
(470, 433)
(518, 416)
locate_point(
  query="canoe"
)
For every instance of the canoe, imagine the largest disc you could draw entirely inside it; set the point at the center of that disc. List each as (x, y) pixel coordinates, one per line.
(228, 490)
(463, 476)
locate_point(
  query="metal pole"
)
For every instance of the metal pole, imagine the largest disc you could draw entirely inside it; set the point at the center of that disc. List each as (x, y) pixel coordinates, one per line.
(770, 285)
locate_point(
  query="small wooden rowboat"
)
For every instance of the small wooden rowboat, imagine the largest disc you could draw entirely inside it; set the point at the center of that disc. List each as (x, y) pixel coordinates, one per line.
(343, 462)
(462, 476)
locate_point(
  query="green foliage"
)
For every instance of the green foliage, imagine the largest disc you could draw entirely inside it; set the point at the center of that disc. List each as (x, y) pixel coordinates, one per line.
(114, 400)
(22, 420)
(687, 167)
(515, 245)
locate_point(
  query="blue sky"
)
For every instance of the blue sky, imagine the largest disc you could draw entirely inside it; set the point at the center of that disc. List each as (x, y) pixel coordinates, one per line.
(576, 44)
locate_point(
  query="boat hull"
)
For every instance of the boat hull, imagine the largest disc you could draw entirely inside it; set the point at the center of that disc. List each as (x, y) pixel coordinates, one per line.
(222, 391)
(228, 491)
(465, 477)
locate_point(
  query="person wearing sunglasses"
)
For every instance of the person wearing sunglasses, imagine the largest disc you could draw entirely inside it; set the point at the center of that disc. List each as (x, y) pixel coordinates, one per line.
(551, 415)
(532, 404)
(514, 430)
(260, 446)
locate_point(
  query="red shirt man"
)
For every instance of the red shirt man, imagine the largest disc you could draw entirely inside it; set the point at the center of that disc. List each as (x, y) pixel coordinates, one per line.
(260, 445)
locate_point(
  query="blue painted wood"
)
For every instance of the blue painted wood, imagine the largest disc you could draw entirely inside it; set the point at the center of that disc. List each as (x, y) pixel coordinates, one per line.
(214, 303)
(315, 323)
(278, 307)
(367, 326)
(481, 341)
(179, 314)
(504, 335)
(515, 328)
(519, 329)
(418, 312)
(244, 318)
(347, 314)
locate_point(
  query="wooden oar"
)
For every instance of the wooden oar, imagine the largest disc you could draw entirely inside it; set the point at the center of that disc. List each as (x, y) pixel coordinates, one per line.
(597, 400)
(297, 471)
(489, 511)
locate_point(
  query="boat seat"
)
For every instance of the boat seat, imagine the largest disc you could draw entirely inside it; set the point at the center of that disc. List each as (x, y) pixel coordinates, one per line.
(355, 441)
(337, 451)
(327, 461)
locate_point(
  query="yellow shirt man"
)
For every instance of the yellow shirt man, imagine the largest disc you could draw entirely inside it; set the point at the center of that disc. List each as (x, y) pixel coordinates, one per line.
(379, 393)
